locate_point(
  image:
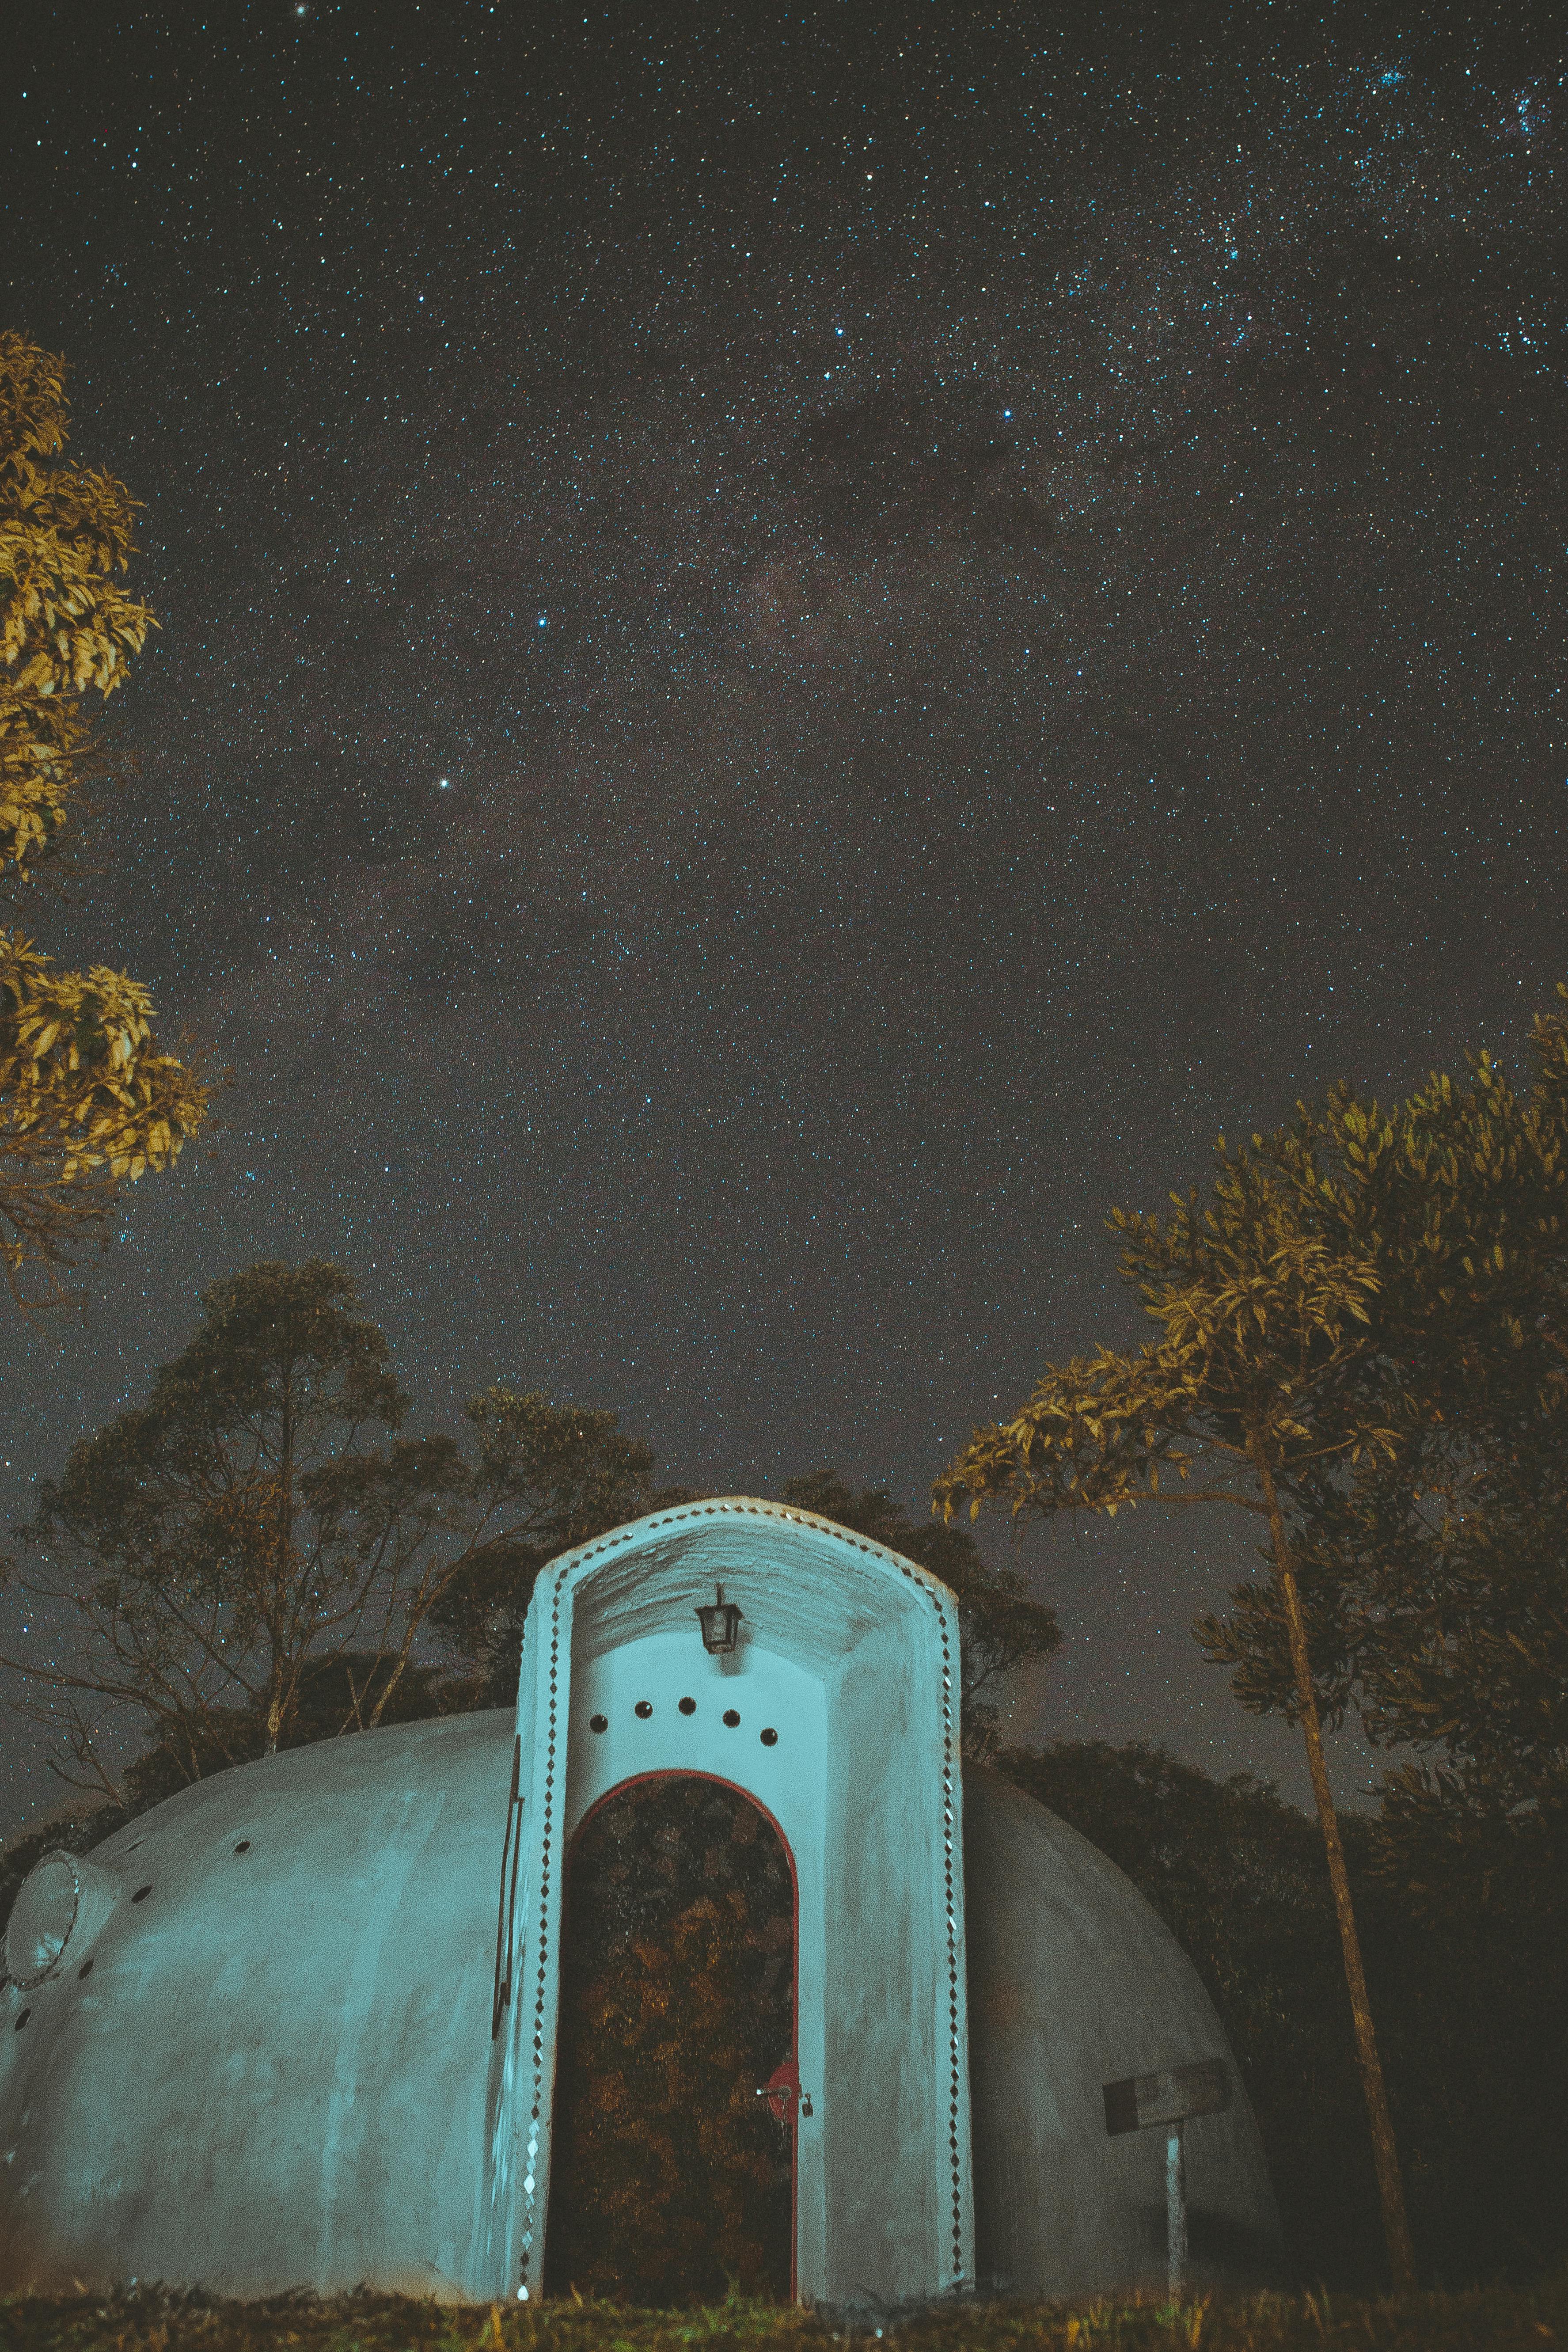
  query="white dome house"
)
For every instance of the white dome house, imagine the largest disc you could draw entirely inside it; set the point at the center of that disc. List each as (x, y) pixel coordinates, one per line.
(298, 2025)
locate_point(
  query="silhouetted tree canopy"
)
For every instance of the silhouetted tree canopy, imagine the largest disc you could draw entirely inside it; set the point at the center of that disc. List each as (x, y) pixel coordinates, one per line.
(261, 1517)
(1434, 1573)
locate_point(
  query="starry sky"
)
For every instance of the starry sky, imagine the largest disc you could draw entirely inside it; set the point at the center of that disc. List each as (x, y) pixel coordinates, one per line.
(800, 644)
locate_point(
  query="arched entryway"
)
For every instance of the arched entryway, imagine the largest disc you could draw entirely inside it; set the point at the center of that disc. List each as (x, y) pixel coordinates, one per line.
(836, 1710)
(671, 2177)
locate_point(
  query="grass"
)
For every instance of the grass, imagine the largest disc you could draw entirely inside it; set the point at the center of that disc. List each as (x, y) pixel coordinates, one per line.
(1497, 2319)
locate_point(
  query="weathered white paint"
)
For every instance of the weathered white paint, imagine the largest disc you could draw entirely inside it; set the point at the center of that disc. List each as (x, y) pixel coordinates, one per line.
(850, 1654)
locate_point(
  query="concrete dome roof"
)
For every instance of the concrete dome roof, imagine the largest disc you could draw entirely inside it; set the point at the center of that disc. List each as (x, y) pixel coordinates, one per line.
(259, 2059)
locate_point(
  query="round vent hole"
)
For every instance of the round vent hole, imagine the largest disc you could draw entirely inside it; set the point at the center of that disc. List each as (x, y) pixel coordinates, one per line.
(22, 2017)
(598, 1722)
(85, 1969)
(244, 1846)
(688, 1707)
(141, 1894)
(770, 1738)
(642, 1709)
(731, 1718)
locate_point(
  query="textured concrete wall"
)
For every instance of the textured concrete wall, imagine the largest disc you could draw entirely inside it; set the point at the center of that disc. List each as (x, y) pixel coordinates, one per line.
(900, 2214)
(273, 2071)
(1074, 1982)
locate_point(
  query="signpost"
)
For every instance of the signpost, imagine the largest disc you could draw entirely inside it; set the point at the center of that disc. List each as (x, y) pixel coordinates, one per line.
(1169, 2098)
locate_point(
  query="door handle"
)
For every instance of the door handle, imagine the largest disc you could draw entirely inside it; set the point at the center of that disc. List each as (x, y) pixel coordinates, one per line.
(782, 2092)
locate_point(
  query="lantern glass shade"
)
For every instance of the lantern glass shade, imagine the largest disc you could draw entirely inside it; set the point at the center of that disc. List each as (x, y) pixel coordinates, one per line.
(720, 1623)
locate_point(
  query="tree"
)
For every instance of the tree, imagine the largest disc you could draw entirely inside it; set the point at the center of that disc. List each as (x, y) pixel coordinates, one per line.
(569, 1476)
(88, 1103)
(1002, 1627)
(1247, 1398)
(1436, 1575)
(259, 1523)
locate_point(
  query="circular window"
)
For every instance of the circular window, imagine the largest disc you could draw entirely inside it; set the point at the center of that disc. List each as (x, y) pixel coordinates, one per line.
(731, 1718)
(643, 1709)
(42, 1919)
(598, 1722)
(244, 1846)
(688, 1707)
(770, 1738)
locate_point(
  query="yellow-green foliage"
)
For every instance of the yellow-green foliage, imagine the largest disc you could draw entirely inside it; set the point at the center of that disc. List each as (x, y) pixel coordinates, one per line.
(79, 1075)
(87, 1101)
(1260, 1312)
(65, 624)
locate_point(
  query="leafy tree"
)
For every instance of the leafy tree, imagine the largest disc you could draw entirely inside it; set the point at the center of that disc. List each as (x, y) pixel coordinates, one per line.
(1249, 1400)
(1002, 1626)
(1436, 1575)
(259, 1523)
(339, 1691)
(574, 1476)
(87, 1102)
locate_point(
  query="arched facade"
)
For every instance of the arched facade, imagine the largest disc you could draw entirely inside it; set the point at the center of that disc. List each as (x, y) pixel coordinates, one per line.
(848, 1657)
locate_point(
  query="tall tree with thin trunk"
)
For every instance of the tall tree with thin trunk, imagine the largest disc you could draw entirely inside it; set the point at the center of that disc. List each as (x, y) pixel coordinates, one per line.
(1253, 1397)
(258, 1533)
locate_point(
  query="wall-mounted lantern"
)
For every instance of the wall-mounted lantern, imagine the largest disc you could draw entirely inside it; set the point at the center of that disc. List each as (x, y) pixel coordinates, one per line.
(720, 1624)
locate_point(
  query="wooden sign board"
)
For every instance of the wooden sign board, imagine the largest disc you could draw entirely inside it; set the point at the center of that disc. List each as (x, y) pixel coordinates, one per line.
(1168, 2097)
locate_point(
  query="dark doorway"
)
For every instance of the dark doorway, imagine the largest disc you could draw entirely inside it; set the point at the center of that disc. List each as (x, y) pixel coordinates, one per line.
(670, 2176)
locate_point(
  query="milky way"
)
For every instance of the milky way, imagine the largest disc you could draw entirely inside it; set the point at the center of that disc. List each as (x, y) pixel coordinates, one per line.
(798, 648)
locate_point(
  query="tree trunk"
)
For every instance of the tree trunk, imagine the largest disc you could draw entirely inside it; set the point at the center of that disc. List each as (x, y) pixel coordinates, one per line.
(1385, 2156)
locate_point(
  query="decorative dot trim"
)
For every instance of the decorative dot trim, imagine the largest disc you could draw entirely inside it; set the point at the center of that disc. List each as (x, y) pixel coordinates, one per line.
(547, 1839)
(955, 2055)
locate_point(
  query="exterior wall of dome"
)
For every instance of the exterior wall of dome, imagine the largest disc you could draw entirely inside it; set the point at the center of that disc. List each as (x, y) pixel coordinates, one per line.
(274, 2072)
(1075, 1982)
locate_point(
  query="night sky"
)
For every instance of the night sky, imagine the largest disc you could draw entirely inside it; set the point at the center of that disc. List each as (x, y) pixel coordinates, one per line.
(799, 646)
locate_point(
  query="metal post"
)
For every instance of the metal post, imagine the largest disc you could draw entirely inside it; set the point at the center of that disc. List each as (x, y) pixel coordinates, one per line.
(1176, 2209)
(1169, 2097)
